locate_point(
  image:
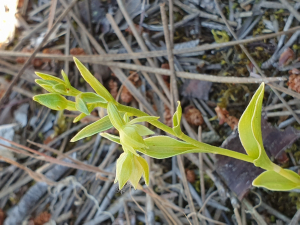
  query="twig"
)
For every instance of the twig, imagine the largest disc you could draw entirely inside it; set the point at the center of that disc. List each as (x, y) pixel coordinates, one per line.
(34, 175)
(291, 9)
(51, 14)
(201, 13)
(142, 45)
(275, 212)
(237, 216)
(14, 81)
(201, 168)
(119, 73)
(206, 77)
(44, 157)
(138, 55)
(254, 63)
(169, 44)
(187, 189)
(136, 61)
(126, 212)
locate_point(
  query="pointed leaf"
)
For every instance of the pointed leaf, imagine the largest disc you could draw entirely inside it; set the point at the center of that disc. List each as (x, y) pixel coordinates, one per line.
(93, 82)
(245, 127)
(79, 117)
(125, 167)
(145, 166)
(115, 116)
(81, 106)
(111, 137)
(161, 147)
(263, 160)
(137, 172)
(49, 77)
(90, 107)
(176, 120)
(94, 128)
(274, 181)
(90, 97)
(46, 82)
(71, 106)
(129, 137)
(61, 88)
(47, 85)
(143, 119)
(66, 79)
(52, 100)
(142, 130)
(126, 118)
(129, 149)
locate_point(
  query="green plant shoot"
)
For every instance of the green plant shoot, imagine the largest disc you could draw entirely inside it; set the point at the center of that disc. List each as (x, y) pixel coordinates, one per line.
(133, 137)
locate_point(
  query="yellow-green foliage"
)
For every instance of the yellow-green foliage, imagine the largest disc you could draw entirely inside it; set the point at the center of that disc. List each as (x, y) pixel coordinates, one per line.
(130, 165)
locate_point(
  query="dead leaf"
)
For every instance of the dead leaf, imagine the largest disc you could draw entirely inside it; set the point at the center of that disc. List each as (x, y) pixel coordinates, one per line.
(224, 117)
(51, 52)
(190, 175)
(222, 114)
(193, 116)
(294, 80)
(126, 96)
(41, 219)
(196, 89)
(35, 62)
(237, 174)
(286, 57)
(77, 51)
(113, 87)
(168, 117)
(2, 217)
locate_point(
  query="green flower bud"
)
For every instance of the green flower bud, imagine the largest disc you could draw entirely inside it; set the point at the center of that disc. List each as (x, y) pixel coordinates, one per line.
(130, 168)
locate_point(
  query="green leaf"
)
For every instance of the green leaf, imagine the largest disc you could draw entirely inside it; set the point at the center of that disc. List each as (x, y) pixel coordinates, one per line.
(66, 79)
(114, 116)
(99, 126)
(90, 97)
(90, 107)
(137, 172)
(176, 120)
(275, 182)
(47, 85)
(124, 169)
(52, 100)
(81, 106)
(250, 131)
(161, 147)
(143, 119)
(60, 88)
(93, 82)
(129, 149)
(145, 167)
(79, 117)
(71, 106)
(126, 118)
(46, 82)
(49, 77)
(130, 137)
(111, 137)
(142, 130)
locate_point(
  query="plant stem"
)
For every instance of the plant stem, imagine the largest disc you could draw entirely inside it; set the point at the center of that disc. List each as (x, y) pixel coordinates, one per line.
(182, 136)
(285, 173)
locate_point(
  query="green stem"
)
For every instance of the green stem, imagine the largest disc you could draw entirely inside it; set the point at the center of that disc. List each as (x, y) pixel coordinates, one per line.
(286, 174)
(216, 150)
(182, 136)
